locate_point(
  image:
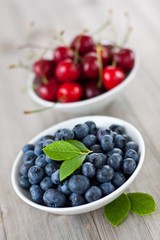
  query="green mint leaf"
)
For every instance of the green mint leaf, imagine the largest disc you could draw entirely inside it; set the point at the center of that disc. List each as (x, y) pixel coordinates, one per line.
(61, 150)
(118, 210)
(69, 166)
(79, 145)
(142, 203)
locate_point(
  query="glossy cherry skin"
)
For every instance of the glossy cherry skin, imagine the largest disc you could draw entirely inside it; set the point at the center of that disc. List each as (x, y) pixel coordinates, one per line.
(61, 53)
(91, 90)
(44, 68)
(124, 59)
(112, 76)
(110, 50)
(90, 66)
(69, 92)
(82, 43)
(47, 91)
(67, 71)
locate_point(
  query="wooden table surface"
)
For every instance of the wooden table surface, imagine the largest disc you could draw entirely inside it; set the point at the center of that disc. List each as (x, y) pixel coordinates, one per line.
(139, 104)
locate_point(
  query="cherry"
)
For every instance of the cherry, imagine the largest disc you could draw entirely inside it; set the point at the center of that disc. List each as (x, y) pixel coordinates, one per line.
(90, 65)
(67, 71)
(47, 91)
(69, 92)
(82, 44)
(124, 59)
(112, 76)
(91, 90)
(61, 53)
(43, 68)
(110, 49)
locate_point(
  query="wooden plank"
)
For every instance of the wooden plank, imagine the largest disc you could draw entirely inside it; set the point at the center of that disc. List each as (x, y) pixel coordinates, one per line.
(2, 230)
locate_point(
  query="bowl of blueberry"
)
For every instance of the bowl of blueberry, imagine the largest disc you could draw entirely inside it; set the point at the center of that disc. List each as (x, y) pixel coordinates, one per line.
(82, 77)
(78, 165)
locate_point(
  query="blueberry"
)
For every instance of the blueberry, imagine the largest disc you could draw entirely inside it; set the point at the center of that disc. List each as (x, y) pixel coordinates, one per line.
(55, 177)
(41, 161)
(117, 128)
(76, 199)
(132, 145)
(78, 183)
(64, 134)
(25, 168)
(89, 140)
(88, 170)
(24, 183)
(81, 131)
(63, 187)
(107, 188)
(93, 193)
(130, 153)
(27, 147)
(119, 141)
(105, 173)
(29, 156)
(38, 148)
(107, 142)
(103, 131)
(35, 174)
(46, 183)
(115, 150)
(115, 161)
(47, 142)
(49, 160)
(50, 168)
(92, 127)
(118, 179)
(97, 148)
(54, 198)
(98, 159)
(128, 165)
(44, 138)
(36, 193)
(127, 138)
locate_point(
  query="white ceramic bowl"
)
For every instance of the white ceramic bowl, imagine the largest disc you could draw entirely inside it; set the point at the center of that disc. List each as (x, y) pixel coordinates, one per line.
(89, 106)
(101, 121)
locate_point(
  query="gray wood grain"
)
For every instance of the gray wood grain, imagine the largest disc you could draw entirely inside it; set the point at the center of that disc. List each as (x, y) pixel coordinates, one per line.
(139, 104)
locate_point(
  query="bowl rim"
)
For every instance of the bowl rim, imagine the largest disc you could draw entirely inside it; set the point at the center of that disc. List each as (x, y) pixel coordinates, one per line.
(89, 206)
(82, 103)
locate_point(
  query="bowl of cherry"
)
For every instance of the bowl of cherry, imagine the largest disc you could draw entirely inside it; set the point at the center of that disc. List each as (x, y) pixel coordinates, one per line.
(82, 77)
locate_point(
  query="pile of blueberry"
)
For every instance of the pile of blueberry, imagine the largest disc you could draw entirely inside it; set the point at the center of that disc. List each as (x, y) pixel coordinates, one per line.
(113, 159)
(81, 70)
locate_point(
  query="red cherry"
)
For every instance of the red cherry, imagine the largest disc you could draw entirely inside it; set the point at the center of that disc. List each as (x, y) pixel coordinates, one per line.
(112, 76)
(91, 90)
(110, 49)
(69, 92)
(61, 53)
(43, 68)
(47, 91)
(82, 43)
(124, 59)
(90, 66)
(67, 71)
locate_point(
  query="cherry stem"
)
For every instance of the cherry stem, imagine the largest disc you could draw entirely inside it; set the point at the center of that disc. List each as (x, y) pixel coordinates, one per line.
(60, 37)
(100, 65)
(20, 65)
(105, 24)
(38, 110)
(128, 31)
